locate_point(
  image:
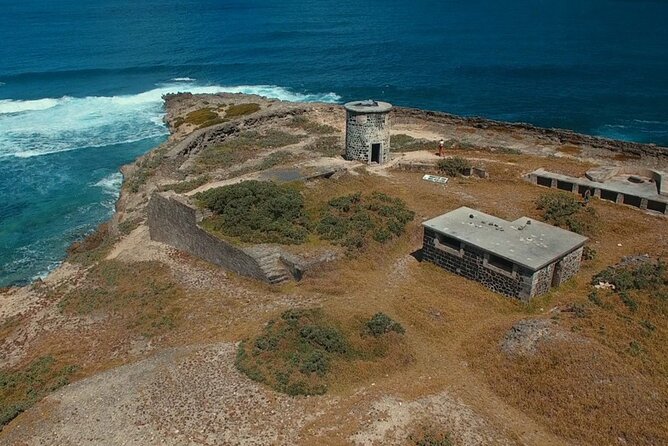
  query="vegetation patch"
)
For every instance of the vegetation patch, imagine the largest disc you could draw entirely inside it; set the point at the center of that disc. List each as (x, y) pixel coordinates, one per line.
(236, 110)
(296, 353)
(257, 211)
(265, 212)
(566, 211)
(352, 220)
(381, 324)
(201, 118)
(454, 167)
(243, 147)
(20, 389)
(327, 146)
(92, 248)
(406, 143)
(430, 436)
(188, 185)
(142, 293)
(311, 127)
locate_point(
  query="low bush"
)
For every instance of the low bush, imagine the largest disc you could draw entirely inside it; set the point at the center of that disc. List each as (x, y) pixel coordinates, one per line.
(294, 353)
(352, 219)
(234, 111)
(566, 211)
(257, 212)
(641, 276)
(454, 166)
(20, 389)
(381, 324)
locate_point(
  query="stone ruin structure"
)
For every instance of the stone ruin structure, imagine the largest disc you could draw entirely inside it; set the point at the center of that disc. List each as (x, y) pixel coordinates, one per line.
(175, 220)
(521, 259)
(642, 188)
(368, 131)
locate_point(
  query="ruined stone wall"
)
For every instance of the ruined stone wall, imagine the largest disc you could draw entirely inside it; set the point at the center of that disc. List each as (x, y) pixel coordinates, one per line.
(567, 267)
(362, 130)
(470, 263)
(173, 221)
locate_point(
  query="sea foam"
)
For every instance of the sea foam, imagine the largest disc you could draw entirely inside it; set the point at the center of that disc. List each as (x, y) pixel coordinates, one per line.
(44, 126)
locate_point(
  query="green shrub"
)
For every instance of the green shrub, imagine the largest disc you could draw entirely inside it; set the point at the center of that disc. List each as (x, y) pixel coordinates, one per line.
(589, 253)
(328, 338)
(257, 212)
(643, 276)
(454, 166)
(234, 111)
(351, 220)
(315, 362)
(381, 324)
(204, 117)
(293, 354)
(565, 210)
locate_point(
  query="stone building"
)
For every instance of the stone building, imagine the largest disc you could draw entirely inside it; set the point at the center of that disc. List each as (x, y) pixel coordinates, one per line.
(521, 259)
(368, 131)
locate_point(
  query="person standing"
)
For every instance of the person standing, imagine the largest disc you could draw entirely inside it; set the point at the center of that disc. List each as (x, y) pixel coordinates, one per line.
(441, 145)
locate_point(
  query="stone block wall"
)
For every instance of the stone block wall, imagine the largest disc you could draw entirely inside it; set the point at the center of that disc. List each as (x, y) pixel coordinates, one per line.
(364, 129)
(470, 263)
(172, 220)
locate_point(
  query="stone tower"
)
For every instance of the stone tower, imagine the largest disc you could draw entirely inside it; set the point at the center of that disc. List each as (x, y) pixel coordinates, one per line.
(368, 131)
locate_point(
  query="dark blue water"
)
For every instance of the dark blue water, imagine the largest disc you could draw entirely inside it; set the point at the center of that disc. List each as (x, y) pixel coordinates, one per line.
(80, 81)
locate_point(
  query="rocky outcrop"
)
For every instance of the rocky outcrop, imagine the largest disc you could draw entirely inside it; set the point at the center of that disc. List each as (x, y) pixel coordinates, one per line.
(558, 136)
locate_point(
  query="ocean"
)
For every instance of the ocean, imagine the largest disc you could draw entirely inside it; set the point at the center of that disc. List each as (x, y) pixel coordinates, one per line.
(81, 82)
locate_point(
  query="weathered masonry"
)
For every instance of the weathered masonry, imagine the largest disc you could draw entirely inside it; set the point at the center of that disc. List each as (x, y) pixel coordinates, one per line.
(368, 131)
(642, 188)
(521, 259)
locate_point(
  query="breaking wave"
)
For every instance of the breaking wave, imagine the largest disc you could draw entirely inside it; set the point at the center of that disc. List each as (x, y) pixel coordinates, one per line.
(43, 126)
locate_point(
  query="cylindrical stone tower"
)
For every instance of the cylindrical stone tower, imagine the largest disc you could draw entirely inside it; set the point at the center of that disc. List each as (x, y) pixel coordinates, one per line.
(368, 131)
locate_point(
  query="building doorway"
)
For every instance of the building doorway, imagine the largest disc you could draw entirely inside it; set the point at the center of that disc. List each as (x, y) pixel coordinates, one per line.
(375, 153)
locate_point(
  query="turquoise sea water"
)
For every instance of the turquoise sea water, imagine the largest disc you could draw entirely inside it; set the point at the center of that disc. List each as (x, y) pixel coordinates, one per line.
(81, 81)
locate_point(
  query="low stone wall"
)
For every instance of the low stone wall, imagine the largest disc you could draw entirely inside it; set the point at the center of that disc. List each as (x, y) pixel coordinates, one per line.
(172, 220)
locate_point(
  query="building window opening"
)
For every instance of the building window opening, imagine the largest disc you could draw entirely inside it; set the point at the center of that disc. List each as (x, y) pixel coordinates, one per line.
(500, 263)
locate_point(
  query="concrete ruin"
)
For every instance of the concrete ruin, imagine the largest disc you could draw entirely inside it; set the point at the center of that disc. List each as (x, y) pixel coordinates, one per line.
(175, 220)
(521, 259)
(641, 188)
(368, 131)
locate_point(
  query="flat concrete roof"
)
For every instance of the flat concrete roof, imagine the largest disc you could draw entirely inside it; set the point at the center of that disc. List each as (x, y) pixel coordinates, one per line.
(368, 106)
(525, 241)
(618, 184)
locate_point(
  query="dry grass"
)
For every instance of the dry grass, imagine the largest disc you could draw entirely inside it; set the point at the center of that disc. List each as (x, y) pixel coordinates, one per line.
(453, 325)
